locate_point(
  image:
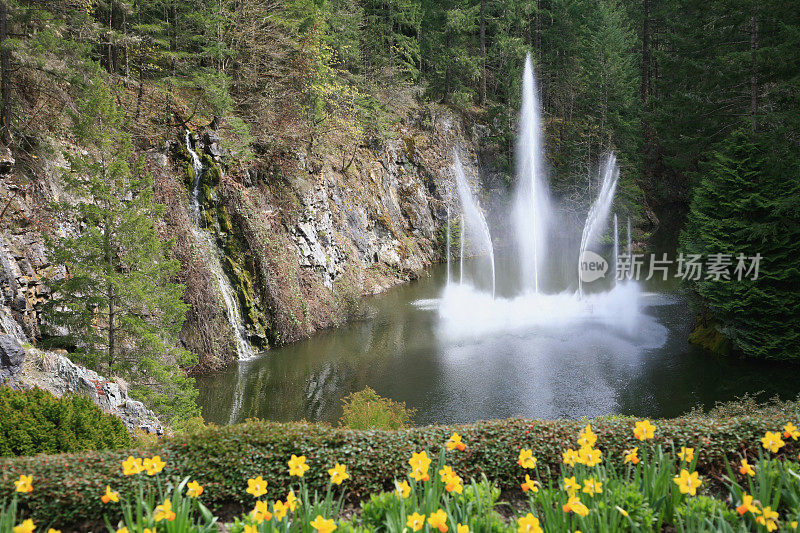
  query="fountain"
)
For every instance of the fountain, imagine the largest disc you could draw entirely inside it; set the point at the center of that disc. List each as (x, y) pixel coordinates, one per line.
(448, 244)
(629, 274)
(616, 248)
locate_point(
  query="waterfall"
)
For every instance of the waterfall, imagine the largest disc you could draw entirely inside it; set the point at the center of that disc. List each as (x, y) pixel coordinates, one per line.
(630, 252)
(213, 257)
(616, 247)
(448, 244)
(596, 219)
(461, 254)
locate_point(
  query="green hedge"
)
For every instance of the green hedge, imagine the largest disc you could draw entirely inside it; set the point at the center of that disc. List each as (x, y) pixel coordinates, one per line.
(35, 421)
(68, 487)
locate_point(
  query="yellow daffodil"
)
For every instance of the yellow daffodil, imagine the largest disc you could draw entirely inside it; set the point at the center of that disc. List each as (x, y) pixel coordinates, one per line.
(571, 486)
(132, 466)
(451, 480)
(438, 520)
(123, 530)
(24, 483)
(164, 512)
(570, 457)
(27, 526)
(256, 487)
(148, 530)
(768, 519)
(461, 528)
(403, 489)
(416, 521)
(279, 510)
(790, 430)
(644, 430)
(529, 524)
(589, 456)
(587, 437)
(772, 441)
(793, 523)
(529, 484)
(575, 505)
(194, 489)
(688, 483)
(248, 528)
(632, 456)
(338, 474)
(297, 465)
(323, 525)
(109, 496)
(746, 468)
(291, 501)
(526, 458)
(622, 511)
(747, 505)
(419, 466)
(455, 443)
(51, 530)
(686, 454)
(261, 512)
(592, 487)
(153, 465)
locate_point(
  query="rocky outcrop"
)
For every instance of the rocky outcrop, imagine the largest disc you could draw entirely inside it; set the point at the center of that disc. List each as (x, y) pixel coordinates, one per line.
(12, 355)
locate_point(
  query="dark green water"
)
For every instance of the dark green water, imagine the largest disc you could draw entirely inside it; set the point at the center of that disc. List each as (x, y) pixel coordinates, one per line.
(582, 370)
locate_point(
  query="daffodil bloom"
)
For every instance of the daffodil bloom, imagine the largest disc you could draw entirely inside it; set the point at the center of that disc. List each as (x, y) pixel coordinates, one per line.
(575, 505)
(772, 441)
(686, 454)
(26, 526)
(248, 528)
(570, 457)
(164, 512)
(687, 483)
(438, 520)
(338, 474)
(589, 456)
(403, 489)
(622, 511)
(526, 458)
(123, 530)
(416, 521)
(148, 530)
(768, 519)
(279, 510)
(746, 468)
(747, 505)
(461, 528)
(790, 430)
(261, 512)
(109, 496)
(257, 487)
(419, 466)
(793, 524)
(644, 430)
(455, 443)
(592, 487)
(291, 501)
(194, 489)
(297, 465)
(631, 456)
(153, 465)
(587, 437)
(451, 480)
(51, 530)
(323, 525)
(529, 484)
(132, 466)
(571, 486)
(528, 524)
(24, 483)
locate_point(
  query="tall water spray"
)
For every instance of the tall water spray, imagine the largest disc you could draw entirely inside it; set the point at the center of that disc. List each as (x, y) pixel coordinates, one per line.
(596, 219)
(616, 248)
(531, 208)
(629, 273)
(448, 244)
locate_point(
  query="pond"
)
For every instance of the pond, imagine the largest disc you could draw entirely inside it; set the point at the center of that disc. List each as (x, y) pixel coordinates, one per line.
(572, 369)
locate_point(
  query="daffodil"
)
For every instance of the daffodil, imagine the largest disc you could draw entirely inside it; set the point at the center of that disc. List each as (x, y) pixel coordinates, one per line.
(529, 484)
(622, 511)
(153, 465)
(686, 454)
(570, 457)
(592, 487)
(746, 468)
(261, 512)
(790, 430)
(589, 456)
(528, 524)
(768, 519)
(248, 528)
(631, 456)
(687, 483)
(123, 530)
(279, 510)
(419, 466)
(297, 465)
(27, 526)
(51, 530)
(644, 430)
(338, 474)
(256, 487)
(747, 505)
(132, 466)
(164, 512)
(416, 521)
(148, 530)
(461, 528)
(403, 489)
(575, 505)
(587, 437)
(194, 489)
(323, 525)
(526, 458)
(571, 486)
(24, 483)
(772, 441)
(454, 443)
(438, 520)
(109, 496)
(291, 501)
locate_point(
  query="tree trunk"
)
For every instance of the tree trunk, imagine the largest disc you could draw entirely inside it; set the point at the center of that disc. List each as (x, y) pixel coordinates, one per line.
(5, 70)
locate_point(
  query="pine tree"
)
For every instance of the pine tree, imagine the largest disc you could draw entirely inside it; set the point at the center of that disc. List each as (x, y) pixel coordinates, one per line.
(117, 306)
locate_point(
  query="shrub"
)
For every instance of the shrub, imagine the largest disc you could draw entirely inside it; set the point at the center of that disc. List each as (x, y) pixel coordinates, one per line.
(35, 421)
(367, 410)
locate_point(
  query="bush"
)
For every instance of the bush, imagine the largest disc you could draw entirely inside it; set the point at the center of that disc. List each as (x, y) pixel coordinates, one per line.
(35, 421)
(367, 410)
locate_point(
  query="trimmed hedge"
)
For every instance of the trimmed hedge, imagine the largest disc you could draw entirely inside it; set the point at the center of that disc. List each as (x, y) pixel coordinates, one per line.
(35, 421)
(67, 488)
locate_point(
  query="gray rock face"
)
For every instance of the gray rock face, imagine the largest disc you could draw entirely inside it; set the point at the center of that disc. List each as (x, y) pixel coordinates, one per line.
(12, 355)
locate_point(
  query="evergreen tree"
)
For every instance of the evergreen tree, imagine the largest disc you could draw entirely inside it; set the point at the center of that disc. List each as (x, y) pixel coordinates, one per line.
(117, 306)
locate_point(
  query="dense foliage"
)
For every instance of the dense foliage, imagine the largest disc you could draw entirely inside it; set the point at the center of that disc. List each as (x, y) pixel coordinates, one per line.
(366, 409)
(35, 421)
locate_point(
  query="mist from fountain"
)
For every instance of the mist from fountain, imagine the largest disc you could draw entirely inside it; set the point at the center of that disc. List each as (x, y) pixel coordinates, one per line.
(616, 248)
